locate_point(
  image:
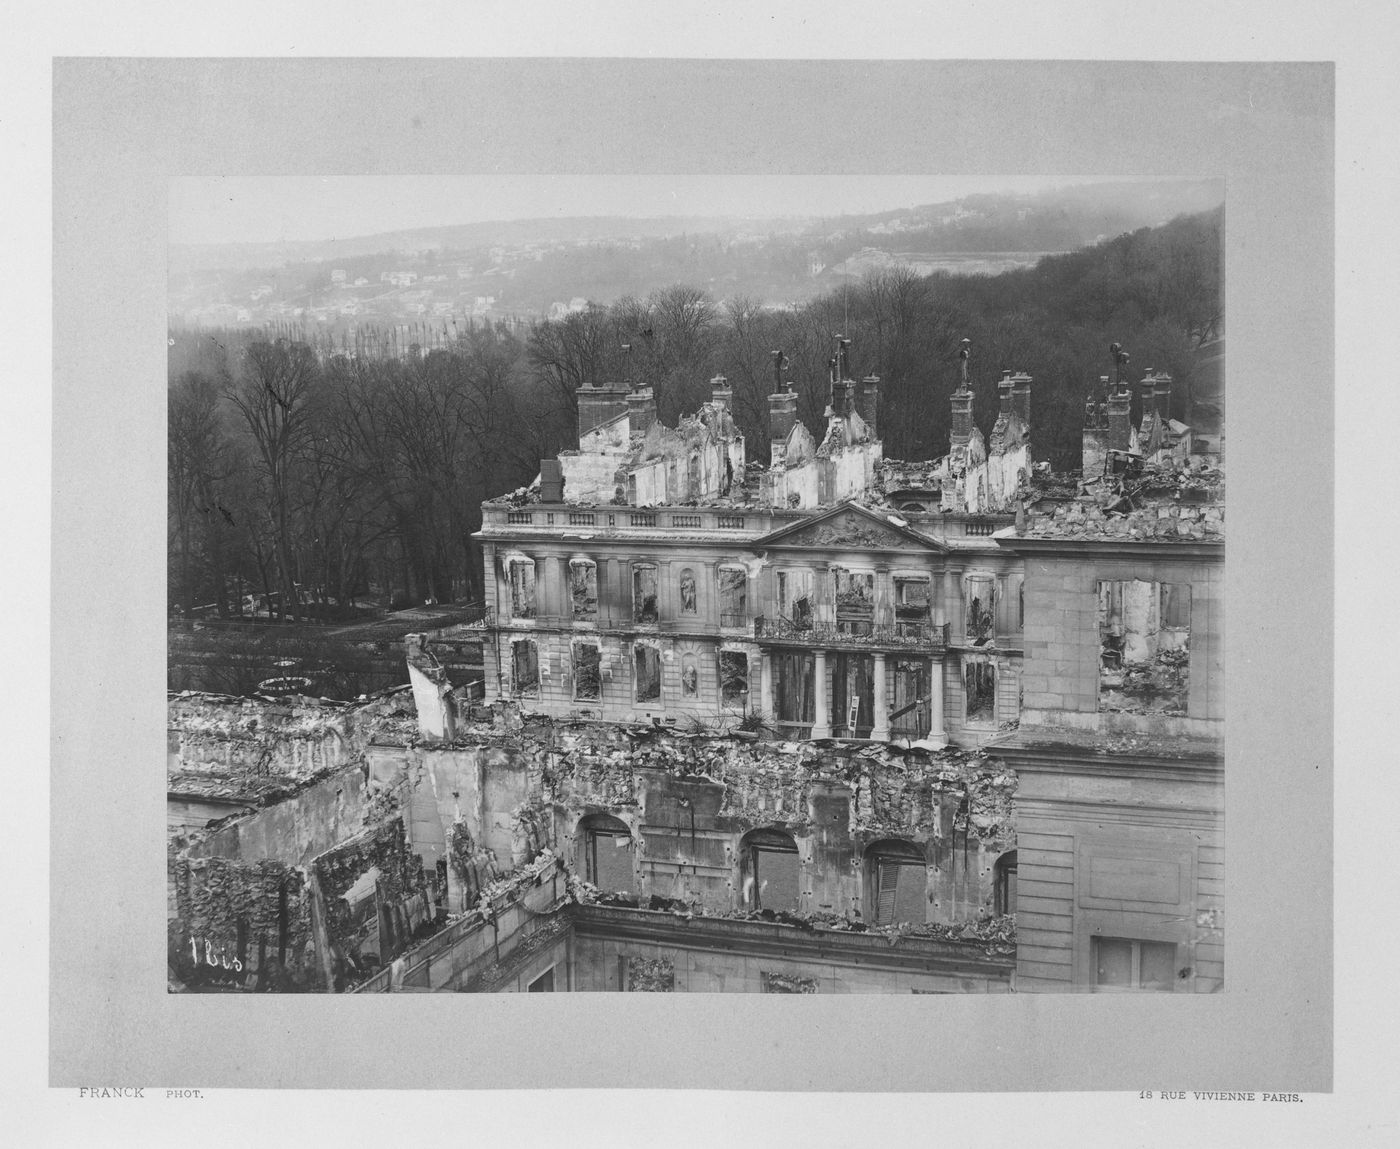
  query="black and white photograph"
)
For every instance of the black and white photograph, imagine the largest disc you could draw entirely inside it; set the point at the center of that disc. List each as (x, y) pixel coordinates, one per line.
(669, 600)
(687, 515)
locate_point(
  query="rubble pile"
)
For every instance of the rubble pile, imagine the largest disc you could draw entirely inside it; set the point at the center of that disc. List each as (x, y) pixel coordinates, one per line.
(1162, 502)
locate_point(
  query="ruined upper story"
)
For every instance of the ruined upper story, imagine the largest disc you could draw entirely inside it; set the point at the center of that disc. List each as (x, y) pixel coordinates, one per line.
(627, 458)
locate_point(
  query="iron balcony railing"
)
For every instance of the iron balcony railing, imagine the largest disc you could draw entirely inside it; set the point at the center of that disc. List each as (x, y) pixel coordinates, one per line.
(904, 635)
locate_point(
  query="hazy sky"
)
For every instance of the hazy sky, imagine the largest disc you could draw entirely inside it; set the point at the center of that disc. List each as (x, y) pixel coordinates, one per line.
(272, 209)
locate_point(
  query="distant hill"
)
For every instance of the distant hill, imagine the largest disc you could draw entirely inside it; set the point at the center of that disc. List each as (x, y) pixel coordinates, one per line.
(537, 267)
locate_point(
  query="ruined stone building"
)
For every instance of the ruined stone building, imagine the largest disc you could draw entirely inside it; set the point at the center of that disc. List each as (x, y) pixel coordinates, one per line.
(834, 724)
(661, 575)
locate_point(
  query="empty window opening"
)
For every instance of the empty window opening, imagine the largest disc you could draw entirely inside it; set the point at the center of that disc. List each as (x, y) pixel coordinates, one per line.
(1004, 883)
(734, 678)
(588, 685)
(897, 882)
(1144, 647)
(980, 688)
(776, 982)
(911, 606)
(855, 600)
(544, 983)
(583, 588)
(794, 693)
(979, 595)
(524, 666)
(913, 700)
(690, 676)
(771, 870)
(852, 695)
(1127, 963)
(651, 975)
(522, 588)
(648, 672)
(733, 596)
(796, 599)
(644, 593)
(606, 843)
(688, 598)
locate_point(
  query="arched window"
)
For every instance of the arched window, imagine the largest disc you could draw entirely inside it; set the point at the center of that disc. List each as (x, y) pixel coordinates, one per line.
(769, 870)
(896, 879)
(912, 507)
(605, 848)
(1004, 882)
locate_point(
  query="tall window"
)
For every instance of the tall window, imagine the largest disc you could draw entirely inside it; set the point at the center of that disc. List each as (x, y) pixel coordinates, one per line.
(525, 667)
(855, 600)
(897, 882)
(913, 699)
(606, 845)
(794, 693)
(522, 588)
(583, 588)
(644, 607)
(1127, 963)
(979, 598)
(1144, 646)
(588, 685)
(980, 688)
(770, 870)
(734, 678)
(796, 598)
(647, 660)
(733, 596)
(1004, 881)
(911, 603)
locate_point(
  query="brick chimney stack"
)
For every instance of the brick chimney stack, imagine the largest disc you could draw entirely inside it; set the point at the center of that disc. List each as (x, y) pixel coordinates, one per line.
(961, 433)
(721, 394)
(1021, 398)
(841, 396)
(1164, 396)
(870, 402)
(782, 416)
(1147, 393)
(1095, 433)
(1119, 419)
(596, 405)
(1004, 394)
(551, 481)
(641, 410)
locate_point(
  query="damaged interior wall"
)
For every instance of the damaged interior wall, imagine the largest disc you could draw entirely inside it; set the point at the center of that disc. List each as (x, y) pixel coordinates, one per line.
(414, 833)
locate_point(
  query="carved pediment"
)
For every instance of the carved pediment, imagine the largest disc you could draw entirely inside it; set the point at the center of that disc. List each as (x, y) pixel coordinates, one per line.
(851, 530)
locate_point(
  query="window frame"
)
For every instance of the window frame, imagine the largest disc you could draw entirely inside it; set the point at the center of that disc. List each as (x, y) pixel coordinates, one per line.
(639, 611)
(516, 690)
(637, 649)
(1135, 975)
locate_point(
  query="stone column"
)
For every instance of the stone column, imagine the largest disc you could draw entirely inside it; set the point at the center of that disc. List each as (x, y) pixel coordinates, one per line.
(936, 732)
(765, 698)
(880, 732)
(822, 728)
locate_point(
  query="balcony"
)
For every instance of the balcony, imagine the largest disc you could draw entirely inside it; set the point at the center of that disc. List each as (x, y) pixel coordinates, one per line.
(904, 636)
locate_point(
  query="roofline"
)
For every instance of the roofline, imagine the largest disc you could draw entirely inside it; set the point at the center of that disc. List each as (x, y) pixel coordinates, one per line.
(1210, 551)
